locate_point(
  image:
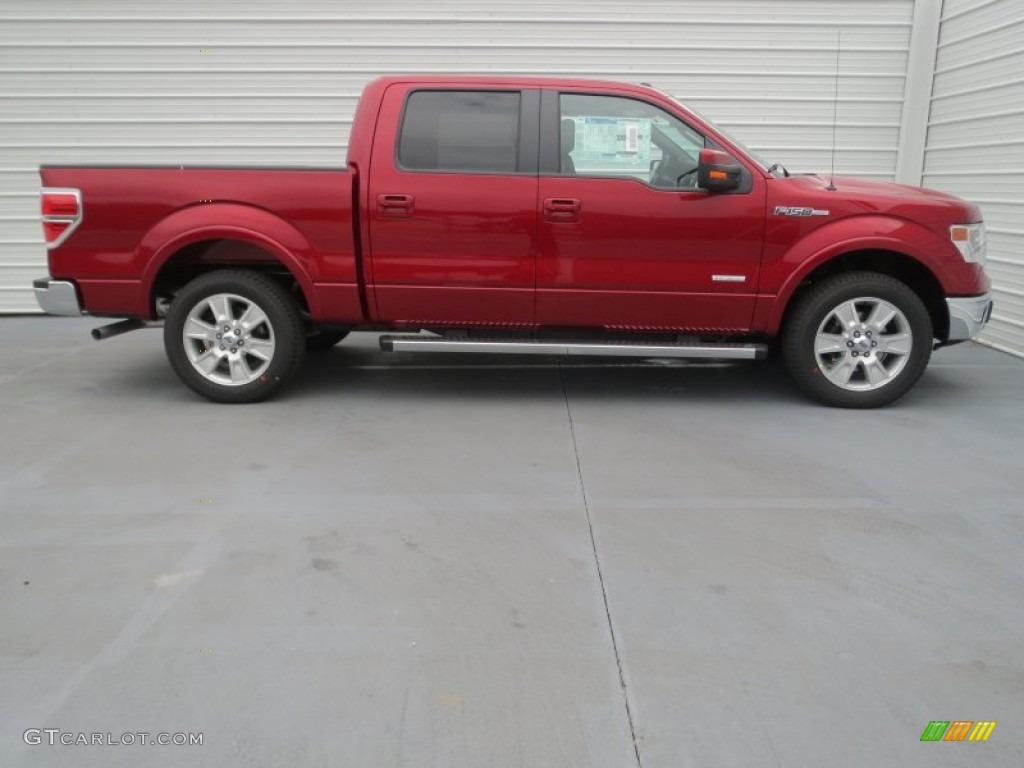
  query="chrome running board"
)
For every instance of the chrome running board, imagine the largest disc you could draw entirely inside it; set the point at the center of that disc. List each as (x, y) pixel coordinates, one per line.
(574, 348)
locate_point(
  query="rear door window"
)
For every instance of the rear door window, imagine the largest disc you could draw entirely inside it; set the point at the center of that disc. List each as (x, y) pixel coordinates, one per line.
(460, 131)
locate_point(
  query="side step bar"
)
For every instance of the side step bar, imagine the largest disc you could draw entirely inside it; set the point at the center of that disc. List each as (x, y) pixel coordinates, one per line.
(574, 348)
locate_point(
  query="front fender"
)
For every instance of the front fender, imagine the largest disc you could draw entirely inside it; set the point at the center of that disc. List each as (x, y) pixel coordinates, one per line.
(785, 268)
(232, 221)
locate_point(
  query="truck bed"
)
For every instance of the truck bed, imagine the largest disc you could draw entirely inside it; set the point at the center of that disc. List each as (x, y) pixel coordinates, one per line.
(136, 217)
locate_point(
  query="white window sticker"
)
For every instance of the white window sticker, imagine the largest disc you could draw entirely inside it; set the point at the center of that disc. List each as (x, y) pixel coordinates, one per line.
(614, 145)
(631, 133)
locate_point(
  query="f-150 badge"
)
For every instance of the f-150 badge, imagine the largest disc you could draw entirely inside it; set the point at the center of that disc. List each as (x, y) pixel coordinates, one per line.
(785, 210)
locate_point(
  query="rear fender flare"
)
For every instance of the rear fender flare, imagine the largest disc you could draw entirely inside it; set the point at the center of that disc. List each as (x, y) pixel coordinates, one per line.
(227, 221)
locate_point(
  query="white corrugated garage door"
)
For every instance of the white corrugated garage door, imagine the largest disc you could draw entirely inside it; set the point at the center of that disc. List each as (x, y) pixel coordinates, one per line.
(218, 81)
(975, 145)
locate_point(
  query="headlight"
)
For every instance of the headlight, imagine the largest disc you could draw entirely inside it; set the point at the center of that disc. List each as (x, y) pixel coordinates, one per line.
(969, 239)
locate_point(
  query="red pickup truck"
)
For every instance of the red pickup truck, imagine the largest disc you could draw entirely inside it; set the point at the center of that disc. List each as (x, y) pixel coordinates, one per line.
(521, 215)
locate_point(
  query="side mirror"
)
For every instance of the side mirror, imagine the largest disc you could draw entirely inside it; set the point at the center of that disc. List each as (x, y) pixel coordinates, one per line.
(718, 171)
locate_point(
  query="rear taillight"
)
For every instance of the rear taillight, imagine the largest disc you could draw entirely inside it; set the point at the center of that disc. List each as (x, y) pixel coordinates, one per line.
(62, 212)
(55, 231)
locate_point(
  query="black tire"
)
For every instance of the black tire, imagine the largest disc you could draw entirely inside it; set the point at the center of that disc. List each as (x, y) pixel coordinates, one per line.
(319, 340)
(871, 379)
(277, 341)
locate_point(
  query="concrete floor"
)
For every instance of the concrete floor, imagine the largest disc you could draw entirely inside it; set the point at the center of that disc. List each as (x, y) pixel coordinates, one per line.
(471, 561)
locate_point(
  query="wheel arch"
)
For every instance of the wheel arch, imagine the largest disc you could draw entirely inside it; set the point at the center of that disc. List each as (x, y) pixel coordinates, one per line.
(908, 270)
(190, 242)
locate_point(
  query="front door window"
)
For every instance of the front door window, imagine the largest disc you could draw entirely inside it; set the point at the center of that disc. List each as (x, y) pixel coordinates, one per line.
(615, 137)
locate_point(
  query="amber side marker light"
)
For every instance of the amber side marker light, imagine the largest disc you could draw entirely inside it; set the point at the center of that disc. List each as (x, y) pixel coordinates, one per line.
(969, 240)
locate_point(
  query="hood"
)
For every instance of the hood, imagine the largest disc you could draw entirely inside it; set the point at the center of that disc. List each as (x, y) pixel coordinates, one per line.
(857, 186)
(866, 196)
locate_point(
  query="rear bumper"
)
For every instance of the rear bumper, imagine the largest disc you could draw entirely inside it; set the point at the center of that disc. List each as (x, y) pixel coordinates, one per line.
(967, 316)
(57, 297)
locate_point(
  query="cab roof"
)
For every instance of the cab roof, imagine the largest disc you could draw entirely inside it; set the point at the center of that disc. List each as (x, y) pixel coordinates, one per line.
(518, 82)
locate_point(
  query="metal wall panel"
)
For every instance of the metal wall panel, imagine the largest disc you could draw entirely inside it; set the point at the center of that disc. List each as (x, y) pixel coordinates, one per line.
(254, 81)
(975, 144)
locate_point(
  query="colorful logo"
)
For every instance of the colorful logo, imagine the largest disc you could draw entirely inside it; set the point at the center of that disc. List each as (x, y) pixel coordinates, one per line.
(958, 730)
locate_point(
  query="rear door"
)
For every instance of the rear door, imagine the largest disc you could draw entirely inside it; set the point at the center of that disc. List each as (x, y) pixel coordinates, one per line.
(453, 206)
(627, 239)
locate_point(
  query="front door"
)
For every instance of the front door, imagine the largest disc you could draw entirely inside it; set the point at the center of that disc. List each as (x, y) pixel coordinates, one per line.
(452, 206)
(627, 240)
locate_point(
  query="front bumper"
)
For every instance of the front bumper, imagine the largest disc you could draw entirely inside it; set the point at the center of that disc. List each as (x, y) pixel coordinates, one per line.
(967, 316)
(57, 297)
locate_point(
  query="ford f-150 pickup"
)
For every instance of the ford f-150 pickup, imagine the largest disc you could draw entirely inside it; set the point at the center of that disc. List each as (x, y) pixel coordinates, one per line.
(521, 215)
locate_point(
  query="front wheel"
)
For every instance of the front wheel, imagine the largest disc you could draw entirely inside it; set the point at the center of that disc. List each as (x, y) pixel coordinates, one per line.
(857, 340)
(234, 336)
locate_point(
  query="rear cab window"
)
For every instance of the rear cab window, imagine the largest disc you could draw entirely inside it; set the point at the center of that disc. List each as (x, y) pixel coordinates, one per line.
(463, 131)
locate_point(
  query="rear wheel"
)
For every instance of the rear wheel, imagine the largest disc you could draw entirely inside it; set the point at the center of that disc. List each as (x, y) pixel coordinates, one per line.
(857, 340)
(234, 336)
